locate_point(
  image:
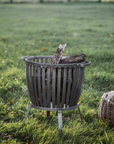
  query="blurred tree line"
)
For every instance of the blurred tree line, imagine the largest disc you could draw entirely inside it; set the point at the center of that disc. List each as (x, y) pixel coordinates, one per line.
(41, 1)
(11, 1)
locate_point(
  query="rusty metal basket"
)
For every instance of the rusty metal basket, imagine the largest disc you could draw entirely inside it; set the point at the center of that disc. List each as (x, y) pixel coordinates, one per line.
(54, 87)
(106, 108)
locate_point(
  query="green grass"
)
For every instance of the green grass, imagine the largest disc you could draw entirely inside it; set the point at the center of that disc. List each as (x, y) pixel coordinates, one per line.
(24, 29)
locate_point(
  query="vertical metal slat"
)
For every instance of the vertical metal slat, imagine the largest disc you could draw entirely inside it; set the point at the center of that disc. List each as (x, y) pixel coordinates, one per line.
(53, 86)
(81, 77)
(64, 86)
(28, 82)
(32, 85)
(69, 85)
(39, 85)
(73, 85)
(50, 60)
(41, 60)
(30, 88)
(45, 60)
(37, 60)
(76, 86)
(43, 86)
(83, 74)
(58, 87)
(48, 86)
(34, 75)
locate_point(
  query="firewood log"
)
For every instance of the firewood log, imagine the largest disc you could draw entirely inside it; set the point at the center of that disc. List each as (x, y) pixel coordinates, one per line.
(73, 59)
(58, 54)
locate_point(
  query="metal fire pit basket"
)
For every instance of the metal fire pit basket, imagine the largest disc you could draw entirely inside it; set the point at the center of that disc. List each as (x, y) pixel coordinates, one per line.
(54, 87)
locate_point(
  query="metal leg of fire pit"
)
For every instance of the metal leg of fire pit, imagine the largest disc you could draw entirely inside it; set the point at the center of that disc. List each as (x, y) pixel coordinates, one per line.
(80, 115)
(48, 116)
(27, 114)
(60, 122)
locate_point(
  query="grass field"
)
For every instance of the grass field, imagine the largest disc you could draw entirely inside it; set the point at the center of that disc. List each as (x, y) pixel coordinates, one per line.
(24, 30)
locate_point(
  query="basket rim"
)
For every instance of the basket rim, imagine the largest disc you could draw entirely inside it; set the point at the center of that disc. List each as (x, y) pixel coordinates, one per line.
(82, 64)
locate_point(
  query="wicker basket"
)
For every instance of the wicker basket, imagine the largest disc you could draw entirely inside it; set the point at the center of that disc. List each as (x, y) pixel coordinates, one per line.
(106, 108)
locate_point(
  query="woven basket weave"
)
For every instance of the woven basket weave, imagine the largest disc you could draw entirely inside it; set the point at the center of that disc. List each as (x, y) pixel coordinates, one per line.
(106, 108)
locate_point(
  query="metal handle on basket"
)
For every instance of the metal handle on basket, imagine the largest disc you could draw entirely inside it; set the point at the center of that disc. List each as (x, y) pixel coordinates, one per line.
(23, 58)
(86, 63)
